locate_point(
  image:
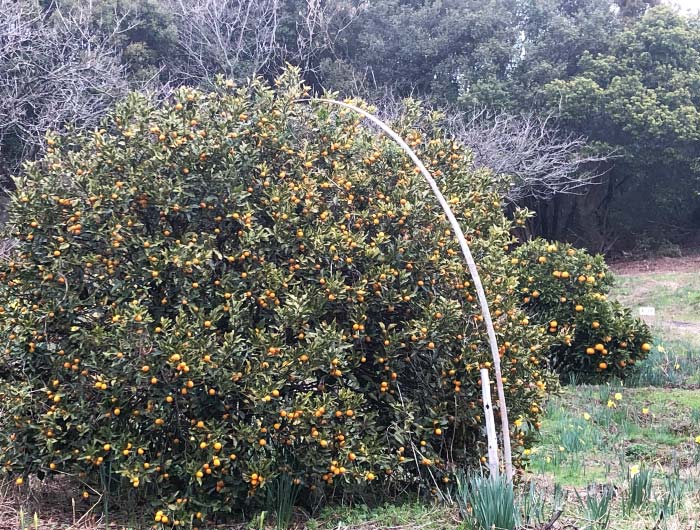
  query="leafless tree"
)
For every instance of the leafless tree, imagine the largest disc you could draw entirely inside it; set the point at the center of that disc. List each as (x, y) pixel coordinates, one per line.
(542, 160)
(321, 24)
(243, 38)
(230, 37)
(51, 72)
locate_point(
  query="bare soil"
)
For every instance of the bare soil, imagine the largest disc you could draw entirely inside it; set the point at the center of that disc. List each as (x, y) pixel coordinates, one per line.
(689, 263)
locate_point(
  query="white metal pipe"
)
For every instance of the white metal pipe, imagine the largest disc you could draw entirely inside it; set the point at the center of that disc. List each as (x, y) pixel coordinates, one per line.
(481, 295)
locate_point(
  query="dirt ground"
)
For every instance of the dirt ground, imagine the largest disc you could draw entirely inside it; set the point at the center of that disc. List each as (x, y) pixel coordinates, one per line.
(689, 263)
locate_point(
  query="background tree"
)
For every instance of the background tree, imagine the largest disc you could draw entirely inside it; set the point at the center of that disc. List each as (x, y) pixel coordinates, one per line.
(549, 37)
(51, 73)
(497, 53)
(142, 31)
(543, 160)
(641, 99)
(423, 48)
(245, 38)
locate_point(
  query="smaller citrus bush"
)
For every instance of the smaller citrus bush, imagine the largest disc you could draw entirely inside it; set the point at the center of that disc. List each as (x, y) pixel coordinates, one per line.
(565, 290)
(224, 288)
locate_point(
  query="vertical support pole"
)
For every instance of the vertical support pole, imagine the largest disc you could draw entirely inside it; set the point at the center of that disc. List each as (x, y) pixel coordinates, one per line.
(490, 424)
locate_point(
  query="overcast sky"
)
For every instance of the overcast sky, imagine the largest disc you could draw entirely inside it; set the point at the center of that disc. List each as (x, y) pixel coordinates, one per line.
(693, 5)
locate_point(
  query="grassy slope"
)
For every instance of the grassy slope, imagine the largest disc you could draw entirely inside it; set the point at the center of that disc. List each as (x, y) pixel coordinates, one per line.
(590, 438)
(674, 295)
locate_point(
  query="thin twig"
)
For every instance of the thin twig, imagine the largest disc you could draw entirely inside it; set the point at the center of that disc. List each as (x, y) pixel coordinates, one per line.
(552, 520)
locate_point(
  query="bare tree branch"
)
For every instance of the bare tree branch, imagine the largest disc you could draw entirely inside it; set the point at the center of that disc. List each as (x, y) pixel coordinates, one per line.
(229, 37)
(542, 160)
(243, 38)
(321, 25)
(52, 72)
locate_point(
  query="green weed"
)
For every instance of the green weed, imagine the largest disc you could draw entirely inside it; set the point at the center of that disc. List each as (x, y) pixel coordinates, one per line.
(596, 507)
(487, 502)
(282, 494)
(639, 488)
(670, 500)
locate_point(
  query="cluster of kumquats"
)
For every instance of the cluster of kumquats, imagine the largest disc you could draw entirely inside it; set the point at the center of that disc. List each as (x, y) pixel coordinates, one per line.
(566, 290)
(224, 288)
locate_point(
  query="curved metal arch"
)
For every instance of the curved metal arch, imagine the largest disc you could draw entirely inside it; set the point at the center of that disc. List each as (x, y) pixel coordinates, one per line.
(481, 294)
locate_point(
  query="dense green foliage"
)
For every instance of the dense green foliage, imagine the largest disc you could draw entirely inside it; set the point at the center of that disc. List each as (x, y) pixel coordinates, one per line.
(565, 290)
(620, 75)
(228, 287)
(498, 52)
(641, 98)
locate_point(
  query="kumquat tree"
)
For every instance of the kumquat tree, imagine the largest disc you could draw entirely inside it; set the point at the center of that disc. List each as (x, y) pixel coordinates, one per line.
(248, 281)
(223, 291)
(566, 290)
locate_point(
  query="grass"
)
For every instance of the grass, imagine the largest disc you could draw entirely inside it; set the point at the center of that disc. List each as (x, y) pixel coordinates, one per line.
(410, 514)
(675, 361)
(675, 297)
(672, 363)
(642, 439)
(648, 429)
